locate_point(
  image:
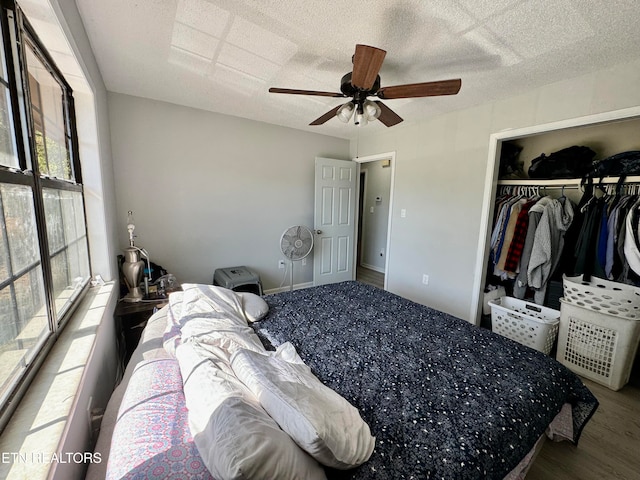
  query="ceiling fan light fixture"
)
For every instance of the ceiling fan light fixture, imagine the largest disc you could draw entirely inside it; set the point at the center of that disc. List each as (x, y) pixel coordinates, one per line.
(345, 112)
(360, 119)
(371, 110)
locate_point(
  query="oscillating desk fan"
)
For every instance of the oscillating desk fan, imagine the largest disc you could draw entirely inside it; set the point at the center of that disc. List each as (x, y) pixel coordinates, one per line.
(296, 243)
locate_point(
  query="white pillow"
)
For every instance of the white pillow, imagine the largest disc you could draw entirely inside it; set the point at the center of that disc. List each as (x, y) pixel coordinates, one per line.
(319, 420)
(254, 306)
(235, 437)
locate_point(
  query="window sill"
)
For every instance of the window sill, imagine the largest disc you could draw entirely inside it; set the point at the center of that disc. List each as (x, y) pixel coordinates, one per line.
(33, 444)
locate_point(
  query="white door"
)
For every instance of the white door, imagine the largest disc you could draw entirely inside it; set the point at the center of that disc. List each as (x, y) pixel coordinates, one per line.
(335, 222)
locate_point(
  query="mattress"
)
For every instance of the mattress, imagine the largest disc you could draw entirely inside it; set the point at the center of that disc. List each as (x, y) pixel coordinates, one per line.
(443, 398)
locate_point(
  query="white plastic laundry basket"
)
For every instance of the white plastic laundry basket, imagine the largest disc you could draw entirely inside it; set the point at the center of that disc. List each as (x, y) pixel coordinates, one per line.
(527, 323)
(599, 329)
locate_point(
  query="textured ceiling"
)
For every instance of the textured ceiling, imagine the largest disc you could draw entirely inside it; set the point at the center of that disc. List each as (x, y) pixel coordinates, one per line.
(223, 55)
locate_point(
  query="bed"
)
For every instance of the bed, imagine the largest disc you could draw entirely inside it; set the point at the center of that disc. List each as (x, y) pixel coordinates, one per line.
(440, 397)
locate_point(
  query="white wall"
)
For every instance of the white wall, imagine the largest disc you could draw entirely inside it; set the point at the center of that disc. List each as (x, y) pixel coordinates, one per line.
(102, 366)
(210, 190)
(440, 175)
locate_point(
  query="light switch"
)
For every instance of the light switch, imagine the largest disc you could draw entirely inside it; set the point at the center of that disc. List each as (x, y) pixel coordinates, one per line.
(403, 213)
(371, 209)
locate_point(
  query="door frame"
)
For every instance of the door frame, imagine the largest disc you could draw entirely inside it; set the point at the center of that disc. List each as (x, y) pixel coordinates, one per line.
(362, 193)
(373, 158)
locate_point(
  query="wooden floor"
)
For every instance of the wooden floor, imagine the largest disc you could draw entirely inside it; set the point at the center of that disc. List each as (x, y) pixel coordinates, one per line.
(366, 275)
(609, 447)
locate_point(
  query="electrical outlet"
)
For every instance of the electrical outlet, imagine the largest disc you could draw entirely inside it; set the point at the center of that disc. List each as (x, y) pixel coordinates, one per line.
(304, 262)
(281, 264)
(425, 279)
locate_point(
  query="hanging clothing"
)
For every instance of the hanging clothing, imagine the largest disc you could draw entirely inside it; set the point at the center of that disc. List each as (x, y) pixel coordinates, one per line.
(537, 240)
(603, 235)
(620, 270)
(548, 244)
(519, 236)
(567, 263)
(497, 237)
(611, 242)
(535, 213)
(631, 249)
(614, 260)
(586, 263)
(507, 236)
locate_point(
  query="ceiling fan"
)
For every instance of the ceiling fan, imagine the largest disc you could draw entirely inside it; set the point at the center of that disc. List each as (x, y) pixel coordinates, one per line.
(364, 82)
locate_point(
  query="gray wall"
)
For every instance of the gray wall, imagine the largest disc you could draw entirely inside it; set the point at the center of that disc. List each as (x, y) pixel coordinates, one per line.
(210, 190)
(440, 179)
(241, 183)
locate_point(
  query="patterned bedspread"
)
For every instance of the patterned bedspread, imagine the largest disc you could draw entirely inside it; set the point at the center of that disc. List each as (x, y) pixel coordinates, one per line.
(445, 399)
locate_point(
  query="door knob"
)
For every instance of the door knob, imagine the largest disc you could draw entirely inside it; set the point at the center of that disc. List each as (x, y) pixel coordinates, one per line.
(318, 232)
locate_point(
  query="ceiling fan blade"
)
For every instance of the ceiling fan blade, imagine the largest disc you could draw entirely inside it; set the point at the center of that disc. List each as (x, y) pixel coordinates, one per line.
(327, 116)
(366, 65)
(305, 92)
(425, 89)
(388, 116)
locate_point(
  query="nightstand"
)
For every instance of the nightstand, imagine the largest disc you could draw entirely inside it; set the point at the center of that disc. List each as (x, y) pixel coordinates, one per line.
(131, 318)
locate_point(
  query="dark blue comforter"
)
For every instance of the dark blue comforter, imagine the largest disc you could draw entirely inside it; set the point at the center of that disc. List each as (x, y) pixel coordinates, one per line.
(444, 399)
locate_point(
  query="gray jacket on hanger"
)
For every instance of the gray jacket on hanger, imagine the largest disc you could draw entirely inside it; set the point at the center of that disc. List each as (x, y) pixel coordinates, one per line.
(547, 245)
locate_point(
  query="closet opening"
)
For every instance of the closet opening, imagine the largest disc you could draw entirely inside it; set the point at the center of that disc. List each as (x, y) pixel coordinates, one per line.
(542, 234)
(606, 134)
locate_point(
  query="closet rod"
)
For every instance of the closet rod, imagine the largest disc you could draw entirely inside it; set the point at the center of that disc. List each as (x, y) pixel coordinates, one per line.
(536, 188)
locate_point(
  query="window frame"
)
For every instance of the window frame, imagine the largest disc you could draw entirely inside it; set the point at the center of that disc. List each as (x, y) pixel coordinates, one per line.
(17, 36)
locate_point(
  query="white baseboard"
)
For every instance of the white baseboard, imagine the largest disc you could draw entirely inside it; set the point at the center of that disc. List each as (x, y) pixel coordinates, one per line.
(372, 267)
(297, 286)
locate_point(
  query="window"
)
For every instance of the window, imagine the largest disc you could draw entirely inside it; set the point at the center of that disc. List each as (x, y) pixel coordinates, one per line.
(44, 254)
(8, 149)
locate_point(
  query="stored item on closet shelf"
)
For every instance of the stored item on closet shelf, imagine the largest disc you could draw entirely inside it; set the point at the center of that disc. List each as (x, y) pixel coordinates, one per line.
(527, 323)
(571, 162)
(599, 329)
(511, 167)
(623, 163)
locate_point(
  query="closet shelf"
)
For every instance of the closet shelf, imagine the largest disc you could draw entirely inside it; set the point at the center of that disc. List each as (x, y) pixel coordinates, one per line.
(532, 182)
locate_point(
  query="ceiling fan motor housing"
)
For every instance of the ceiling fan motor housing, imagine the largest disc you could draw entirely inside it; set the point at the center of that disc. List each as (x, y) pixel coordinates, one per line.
(358, 95)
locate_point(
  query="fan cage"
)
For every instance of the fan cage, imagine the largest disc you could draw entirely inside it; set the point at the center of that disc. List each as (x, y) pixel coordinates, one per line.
(296, 242)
